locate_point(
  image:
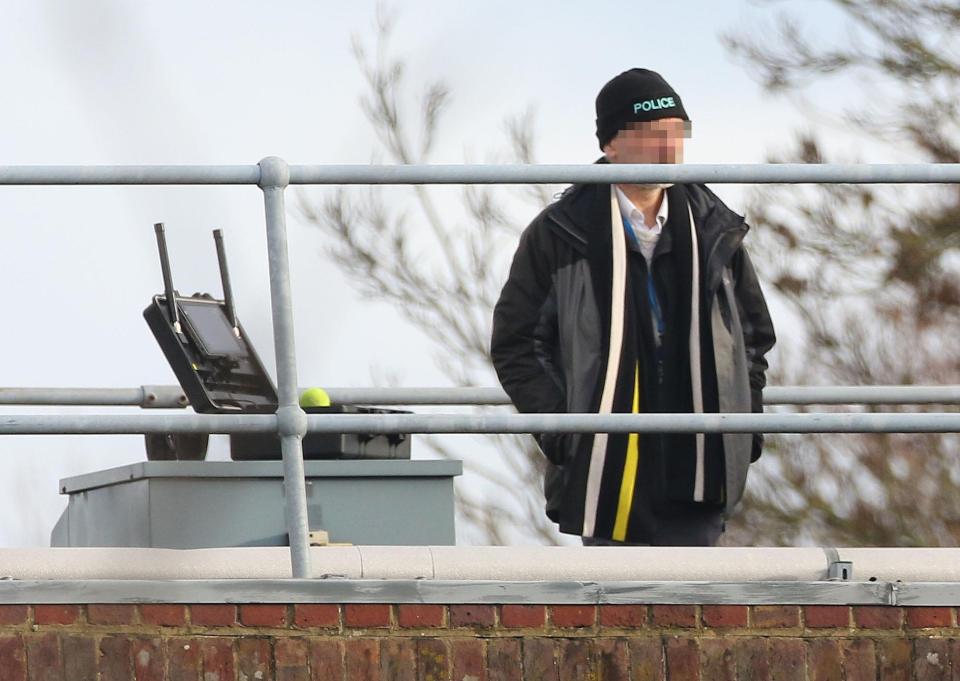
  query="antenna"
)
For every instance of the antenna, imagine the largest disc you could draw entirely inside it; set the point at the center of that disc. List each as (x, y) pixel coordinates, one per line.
(167, 277)
(225, 281)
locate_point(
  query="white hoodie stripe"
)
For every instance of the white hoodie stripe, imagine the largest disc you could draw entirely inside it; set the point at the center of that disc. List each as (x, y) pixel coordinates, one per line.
(598, 455)
(696, 372)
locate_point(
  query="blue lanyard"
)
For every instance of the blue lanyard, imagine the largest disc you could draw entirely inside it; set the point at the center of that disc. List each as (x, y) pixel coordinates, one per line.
(631, 236)
(655, 306)
(651, 289)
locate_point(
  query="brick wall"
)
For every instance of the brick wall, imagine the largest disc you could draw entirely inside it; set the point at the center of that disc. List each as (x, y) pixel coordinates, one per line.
(308, 642)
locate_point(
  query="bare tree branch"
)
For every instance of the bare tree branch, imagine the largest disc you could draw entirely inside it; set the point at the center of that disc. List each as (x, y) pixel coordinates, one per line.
(872, 276)
(448, 292)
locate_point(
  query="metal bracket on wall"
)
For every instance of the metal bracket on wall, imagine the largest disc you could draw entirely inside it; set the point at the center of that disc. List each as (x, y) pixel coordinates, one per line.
(838, 570)
(322, 538)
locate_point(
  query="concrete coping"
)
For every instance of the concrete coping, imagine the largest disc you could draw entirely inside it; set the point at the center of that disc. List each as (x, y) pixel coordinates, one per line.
(479, 563)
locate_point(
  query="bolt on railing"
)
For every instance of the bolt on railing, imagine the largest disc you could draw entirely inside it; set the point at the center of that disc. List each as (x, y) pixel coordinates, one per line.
(273, 175)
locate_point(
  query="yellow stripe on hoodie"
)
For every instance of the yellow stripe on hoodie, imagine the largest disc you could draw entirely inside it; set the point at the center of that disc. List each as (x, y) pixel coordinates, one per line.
(629, 468)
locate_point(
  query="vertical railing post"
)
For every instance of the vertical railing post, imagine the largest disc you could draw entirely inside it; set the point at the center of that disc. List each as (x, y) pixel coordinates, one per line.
(291, 420)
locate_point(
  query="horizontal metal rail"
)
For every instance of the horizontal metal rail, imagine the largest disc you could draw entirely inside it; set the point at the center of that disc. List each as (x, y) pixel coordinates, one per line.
(129, 175)
(122, 424)
(104, 424)
(146, 396)
(172, 397)
(773, 395)
(786, 173)
(865, 394)
(634, 423)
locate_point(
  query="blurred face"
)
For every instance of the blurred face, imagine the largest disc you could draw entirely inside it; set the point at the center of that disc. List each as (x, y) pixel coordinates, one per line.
(649, 142)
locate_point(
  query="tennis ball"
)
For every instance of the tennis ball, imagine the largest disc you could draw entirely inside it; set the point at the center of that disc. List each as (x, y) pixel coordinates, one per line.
(314, 397)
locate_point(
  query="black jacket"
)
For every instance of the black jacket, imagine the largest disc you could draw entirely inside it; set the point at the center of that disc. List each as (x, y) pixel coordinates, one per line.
(551, 334)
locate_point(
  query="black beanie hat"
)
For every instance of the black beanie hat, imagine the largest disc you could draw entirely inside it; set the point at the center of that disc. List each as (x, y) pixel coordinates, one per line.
(635, 95)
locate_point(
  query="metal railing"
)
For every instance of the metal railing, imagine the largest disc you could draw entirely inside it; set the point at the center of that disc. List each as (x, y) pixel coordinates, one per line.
(172, 397)
(272, 175)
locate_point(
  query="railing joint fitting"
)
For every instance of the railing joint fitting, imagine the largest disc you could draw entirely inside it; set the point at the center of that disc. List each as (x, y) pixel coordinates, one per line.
(291, 421)
(274, 173)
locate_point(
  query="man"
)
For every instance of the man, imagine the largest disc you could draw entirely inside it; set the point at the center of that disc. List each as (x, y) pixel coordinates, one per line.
(637, 299)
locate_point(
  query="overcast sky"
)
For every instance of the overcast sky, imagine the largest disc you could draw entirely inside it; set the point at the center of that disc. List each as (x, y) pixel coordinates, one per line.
(176, 82)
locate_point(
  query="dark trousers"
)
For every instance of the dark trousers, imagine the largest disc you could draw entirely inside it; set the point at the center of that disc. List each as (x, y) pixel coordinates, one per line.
(689, 526)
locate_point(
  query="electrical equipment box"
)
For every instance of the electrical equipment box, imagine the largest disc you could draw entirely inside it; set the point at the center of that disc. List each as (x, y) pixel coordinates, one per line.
(220, 373)
(266, 446)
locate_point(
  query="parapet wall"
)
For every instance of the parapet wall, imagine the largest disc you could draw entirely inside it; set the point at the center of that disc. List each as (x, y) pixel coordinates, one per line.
(479, 614)
(474, 642)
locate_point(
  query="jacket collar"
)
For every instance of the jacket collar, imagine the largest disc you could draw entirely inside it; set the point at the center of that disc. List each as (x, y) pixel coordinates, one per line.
(582, 212)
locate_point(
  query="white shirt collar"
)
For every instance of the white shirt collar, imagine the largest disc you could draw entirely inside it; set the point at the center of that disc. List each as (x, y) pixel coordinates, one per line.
(635, 215)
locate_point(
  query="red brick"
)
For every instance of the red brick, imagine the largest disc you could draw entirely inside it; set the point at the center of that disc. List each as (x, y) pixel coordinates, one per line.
(788, 659)
(682, 658)
(717, 661)
(724, 616)
(263, 615)
(116, 663)
(878, 616)
(752, 656)
(43, 658)
(290, 652)
(503, 659)
(217, 656)
(56, 614)
(859, 659)
(366, 615)
(79, 657)
(163, 614)
(147, 659)
(569, 616)
(472, 615)
(574, 659)
(468, 659)
(254, 659)
(674, 615)
(109, 613)
(183, 659)
(613, 658)
(931, 659)
(13, 658)
(894, 657)
(290, 658)
(775, 616)
(417, 616)
(539, 659)
(928, 617)
(826, 616)
(362, 659)
(824, 660)
(326, 659)
(14, 614)
(317, 616)
(646, 659)
(398, 660)
(623, 616)
(210, 615)
(293, 673)
(523, 616)
(953, 644)
(433, 661)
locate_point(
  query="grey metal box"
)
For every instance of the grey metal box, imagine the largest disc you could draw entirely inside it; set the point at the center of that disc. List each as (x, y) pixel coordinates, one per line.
(187, 504)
